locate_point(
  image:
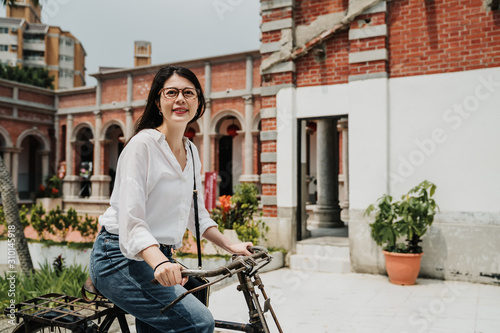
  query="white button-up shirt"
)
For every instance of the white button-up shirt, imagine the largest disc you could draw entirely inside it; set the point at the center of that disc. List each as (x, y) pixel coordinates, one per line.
(152, 199)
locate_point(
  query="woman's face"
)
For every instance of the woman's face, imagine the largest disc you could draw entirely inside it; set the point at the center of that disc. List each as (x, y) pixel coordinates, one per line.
(181, 108)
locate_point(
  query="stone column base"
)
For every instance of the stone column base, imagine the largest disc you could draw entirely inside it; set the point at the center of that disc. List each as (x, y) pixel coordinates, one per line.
(326, 217)
(100, 186)
(71, 186)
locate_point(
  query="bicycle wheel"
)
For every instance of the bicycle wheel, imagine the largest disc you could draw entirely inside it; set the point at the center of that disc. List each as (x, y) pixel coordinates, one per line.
(37, 327)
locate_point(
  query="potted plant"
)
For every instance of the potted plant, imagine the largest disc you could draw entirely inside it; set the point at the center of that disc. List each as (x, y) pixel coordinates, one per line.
(399, 227)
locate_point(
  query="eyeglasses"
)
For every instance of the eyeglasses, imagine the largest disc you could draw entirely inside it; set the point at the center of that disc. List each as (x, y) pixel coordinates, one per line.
(171, 93)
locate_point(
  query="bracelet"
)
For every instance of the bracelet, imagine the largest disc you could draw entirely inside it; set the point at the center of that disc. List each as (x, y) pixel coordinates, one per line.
(160, 264)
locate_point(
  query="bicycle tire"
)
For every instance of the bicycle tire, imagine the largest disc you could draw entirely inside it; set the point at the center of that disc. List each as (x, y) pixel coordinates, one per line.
(38, 327)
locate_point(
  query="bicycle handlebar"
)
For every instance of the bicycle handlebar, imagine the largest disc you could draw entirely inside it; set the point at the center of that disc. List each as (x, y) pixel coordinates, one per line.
(237, 263)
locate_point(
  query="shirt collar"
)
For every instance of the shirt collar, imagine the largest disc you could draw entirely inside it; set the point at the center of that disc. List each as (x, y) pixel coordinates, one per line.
(160, 137)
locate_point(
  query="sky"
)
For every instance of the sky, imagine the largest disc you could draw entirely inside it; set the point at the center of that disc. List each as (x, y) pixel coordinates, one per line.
(177, 29)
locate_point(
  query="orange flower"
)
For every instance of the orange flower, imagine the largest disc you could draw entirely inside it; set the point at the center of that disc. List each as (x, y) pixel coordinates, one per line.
(225, 202)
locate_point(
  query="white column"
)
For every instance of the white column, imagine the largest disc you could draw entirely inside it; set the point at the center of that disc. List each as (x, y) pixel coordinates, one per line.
(207, 117)
(327, 211)
(129, 124)
(97, 143)
(344, 130)
(45, 164)
(70, 181)
(100, 181)
(248, 175)
(69, 147)
(58, 143)
(7, 154)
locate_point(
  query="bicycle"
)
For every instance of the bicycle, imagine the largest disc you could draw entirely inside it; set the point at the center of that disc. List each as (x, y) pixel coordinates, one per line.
(63, 313)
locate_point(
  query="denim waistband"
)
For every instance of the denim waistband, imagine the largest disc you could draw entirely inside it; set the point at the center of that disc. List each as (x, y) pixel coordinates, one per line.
(169, 248)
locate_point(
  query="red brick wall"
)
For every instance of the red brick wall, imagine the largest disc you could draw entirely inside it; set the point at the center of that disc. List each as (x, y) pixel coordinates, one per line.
(75, 100)
(333, 70)
(114, 90)
(5, 111)
(35, 97)
(230, 75)
(256, 72)
(6, 92)
(141, 86)
(440, 36)
(200, 74)
(306, 11)
(34, 116)
(237, 104)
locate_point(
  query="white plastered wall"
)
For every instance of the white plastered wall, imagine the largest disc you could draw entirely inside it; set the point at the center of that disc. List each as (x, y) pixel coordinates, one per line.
(443, 128)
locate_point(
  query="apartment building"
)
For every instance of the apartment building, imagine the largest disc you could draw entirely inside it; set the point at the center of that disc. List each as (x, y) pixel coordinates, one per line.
(25, 41)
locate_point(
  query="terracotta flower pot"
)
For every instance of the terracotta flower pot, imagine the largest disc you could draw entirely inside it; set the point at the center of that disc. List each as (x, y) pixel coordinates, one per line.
(402, 268)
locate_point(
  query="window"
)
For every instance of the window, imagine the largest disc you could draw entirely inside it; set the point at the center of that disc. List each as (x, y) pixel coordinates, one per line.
(65, 58)
(4, 30)
(4, 48)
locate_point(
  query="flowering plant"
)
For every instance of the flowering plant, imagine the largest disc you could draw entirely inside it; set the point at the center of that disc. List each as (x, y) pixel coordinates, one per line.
(239, 212)
(52, 189)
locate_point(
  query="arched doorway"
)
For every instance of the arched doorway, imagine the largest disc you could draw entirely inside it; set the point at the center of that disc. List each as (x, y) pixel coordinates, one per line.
(30, 175)
(84, 159)
(114, 143)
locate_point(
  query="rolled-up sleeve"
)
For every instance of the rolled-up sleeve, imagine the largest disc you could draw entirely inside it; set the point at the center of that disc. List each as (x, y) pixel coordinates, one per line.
(133, 170)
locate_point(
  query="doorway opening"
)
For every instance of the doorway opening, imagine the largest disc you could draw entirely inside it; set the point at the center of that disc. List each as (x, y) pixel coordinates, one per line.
(323, 177)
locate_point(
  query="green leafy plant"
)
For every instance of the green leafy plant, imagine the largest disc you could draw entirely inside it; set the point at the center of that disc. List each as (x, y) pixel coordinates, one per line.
(23, 212)
(239, 212)
(409, 219)
(30, 75)
(48, 279)
(51, 189)
(58, 223)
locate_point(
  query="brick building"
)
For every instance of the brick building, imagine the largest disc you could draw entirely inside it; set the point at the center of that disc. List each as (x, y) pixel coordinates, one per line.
(25, 41)
(405, 91)
(345, 101)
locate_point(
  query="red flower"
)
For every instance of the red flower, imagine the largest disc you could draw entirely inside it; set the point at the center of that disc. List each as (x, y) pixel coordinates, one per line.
(225, 202)
(41, 188)
(55, 191)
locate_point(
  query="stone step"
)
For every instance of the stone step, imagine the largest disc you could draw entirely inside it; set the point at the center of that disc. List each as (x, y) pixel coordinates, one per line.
(322, 254)
(326, 265)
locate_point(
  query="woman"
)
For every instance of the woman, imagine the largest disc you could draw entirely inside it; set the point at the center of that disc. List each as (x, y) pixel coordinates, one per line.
(151, 206)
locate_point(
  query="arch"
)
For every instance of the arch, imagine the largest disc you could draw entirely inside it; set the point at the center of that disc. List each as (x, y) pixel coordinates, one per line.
(35, 133)
(119, 123)
(6, 137)
(224, 114)
(79, 127)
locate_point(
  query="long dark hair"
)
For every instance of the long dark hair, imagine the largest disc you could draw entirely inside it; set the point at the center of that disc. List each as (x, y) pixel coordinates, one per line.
(151, 117)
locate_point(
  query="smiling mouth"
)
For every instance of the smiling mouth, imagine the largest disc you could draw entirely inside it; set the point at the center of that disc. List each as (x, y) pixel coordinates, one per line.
(180, 110)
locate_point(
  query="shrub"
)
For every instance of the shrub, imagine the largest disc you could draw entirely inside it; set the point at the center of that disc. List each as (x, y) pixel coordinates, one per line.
(238, 212)
(50, 278)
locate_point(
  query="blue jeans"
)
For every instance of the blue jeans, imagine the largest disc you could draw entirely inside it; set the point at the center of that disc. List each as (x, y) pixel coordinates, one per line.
(127, 283)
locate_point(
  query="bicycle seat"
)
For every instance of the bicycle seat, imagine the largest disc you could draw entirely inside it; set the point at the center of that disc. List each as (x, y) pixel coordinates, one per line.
(88, 287)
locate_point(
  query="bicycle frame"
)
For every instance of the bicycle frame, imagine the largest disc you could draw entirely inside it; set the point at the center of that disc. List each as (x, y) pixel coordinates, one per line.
(56, 310)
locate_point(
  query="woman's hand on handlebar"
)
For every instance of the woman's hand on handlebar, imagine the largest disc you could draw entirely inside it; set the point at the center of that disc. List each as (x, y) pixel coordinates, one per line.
(169, 274)
(241, 248)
